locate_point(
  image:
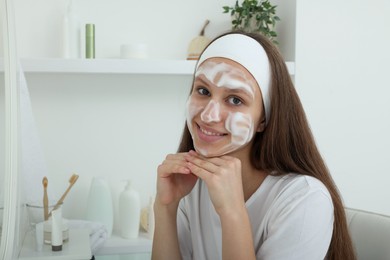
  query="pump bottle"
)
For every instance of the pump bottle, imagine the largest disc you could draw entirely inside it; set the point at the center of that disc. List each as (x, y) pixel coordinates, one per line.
(129, 212)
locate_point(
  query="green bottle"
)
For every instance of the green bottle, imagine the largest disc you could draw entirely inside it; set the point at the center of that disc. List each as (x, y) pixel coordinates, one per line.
(90, 41)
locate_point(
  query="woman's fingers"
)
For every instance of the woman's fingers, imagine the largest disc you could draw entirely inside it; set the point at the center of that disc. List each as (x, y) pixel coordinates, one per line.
(166, 170)
(199, 172)
(174, 163)
(202, 163)
(174, 179)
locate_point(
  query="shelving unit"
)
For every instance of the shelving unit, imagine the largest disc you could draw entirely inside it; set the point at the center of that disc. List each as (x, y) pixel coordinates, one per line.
(113, 66)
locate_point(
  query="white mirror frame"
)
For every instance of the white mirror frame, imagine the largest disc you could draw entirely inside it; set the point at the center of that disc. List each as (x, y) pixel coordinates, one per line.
(11, 241)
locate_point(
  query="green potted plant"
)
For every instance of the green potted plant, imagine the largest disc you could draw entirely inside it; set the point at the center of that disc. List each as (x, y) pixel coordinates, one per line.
(254, 16)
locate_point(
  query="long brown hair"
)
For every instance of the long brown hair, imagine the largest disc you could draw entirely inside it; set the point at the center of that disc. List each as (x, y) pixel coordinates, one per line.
(287, 145)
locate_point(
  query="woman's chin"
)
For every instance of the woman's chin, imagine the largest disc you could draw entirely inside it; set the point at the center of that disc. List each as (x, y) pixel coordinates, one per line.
(208, 153)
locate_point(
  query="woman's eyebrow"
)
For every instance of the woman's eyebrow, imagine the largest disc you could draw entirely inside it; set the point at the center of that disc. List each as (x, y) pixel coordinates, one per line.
(204, 81)
(230, 90)
(241, 91)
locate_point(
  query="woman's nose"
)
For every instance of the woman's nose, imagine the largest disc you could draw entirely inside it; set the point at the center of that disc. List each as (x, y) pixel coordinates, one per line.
(211, 112)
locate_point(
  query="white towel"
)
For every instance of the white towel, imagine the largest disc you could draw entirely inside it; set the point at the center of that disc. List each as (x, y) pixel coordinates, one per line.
(97, 232)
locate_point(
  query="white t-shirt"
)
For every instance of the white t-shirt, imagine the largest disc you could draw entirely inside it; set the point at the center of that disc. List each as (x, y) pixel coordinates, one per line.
(291, 218)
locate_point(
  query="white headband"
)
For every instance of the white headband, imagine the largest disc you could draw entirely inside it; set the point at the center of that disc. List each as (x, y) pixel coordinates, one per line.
(250, 54)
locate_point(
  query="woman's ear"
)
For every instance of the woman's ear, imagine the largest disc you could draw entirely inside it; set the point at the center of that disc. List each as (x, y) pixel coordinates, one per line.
(261, 126)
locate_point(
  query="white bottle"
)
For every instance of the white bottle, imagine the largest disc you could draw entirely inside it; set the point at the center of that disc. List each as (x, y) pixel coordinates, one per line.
(56, 230)
(71, 34)
(100, 206)
(129, 212)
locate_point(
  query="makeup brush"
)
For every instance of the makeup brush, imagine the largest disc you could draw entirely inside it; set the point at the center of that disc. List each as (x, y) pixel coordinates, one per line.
(45, 182)
(72, 181)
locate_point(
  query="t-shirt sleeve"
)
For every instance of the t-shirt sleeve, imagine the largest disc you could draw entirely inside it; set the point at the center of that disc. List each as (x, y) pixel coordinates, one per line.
(300, 227)
(183, 231)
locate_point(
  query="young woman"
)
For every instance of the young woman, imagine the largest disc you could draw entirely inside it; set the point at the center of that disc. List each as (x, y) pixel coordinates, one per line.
(248, 181)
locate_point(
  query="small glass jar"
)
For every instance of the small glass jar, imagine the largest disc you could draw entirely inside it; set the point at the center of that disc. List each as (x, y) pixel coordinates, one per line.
(47, 231)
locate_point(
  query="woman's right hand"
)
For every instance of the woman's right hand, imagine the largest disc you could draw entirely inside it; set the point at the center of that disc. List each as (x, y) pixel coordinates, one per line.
(174, 180)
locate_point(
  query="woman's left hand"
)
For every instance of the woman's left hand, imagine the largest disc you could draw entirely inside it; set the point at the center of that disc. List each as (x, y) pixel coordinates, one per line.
(222, 176)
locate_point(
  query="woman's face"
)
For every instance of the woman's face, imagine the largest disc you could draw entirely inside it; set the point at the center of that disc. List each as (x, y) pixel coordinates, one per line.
(225, 108)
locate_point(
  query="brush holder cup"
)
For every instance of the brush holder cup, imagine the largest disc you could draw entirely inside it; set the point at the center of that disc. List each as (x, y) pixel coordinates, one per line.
(36, 215)
(47, 226)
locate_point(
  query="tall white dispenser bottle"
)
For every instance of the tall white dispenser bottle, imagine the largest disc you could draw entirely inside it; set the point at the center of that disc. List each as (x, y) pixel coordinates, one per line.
(71, 33)
(100, 206)
(129, 212)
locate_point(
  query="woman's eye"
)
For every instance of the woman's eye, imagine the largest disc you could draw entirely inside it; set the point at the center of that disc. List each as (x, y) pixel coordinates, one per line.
(235, 101)
(203, 91)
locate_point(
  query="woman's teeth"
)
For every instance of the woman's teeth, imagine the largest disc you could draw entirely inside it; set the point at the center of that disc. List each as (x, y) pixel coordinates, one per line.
(210, 133)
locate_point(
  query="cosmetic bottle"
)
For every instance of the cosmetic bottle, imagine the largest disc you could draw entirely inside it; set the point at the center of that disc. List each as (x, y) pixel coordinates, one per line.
(71, 33)
(99, 204)
(56, 230)
(90, 41)
(129, 212)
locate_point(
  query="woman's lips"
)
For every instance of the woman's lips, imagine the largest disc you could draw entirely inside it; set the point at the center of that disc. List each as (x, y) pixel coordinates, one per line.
(209, 135)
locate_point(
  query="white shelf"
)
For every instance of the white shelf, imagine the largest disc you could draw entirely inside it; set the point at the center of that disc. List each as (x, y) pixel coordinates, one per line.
(117, 245)
(114, 66)
(109, 66)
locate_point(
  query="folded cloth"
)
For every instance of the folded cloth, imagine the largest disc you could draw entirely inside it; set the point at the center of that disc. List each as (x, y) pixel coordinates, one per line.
(97, 232)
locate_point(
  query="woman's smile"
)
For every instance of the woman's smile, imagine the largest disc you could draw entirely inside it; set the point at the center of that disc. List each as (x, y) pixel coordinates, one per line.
(209, 135)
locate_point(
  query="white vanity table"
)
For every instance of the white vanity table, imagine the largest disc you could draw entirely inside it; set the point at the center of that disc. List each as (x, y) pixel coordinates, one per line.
(117, 248)
(77, 248)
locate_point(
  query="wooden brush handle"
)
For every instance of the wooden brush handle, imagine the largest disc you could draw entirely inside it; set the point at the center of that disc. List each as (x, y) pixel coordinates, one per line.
(45, 205)
(61, 200)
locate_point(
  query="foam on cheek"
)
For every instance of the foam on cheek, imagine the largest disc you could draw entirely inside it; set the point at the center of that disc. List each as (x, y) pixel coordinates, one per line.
(191, 111)
(240, 126)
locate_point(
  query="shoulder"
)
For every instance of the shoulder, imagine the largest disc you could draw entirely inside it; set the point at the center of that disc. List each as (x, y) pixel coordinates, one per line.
(299, 215)
(297, 184)
(294, 191)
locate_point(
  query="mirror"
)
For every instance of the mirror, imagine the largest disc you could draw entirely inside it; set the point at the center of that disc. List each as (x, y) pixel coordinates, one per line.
(12, 224)
(2, 126)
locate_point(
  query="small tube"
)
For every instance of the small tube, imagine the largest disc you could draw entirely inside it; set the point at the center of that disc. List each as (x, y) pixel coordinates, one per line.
(90, 41)
(39, 236)
(56, 230)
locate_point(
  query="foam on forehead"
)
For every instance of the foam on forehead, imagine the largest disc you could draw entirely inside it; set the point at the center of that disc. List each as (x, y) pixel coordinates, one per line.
(250, 54)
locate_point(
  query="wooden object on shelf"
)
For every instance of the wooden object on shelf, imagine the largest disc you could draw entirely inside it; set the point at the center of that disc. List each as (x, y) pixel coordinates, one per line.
(198, 44)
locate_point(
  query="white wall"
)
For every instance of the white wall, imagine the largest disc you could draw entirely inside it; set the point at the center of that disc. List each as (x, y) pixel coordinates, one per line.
(342, 76)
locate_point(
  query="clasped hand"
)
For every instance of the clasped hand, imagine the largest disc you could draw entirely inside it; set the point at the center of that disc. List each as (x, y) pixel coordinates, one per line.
(178, 174)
